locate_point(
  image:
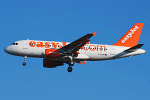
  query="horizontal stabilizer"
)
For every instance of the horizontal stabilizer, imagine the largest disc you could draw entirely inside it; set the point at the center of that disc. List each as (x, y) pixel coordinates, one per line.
(134, 48)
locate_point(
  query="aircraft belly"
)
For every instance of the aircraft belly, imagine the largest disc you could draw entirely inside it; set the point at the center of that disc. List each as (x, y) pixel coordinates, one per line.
(82, 57)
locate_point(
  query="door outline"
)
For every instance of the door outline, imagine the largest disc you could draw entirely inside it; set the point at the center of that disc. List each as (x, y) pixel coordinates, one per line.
(112, 50)
(25, 44)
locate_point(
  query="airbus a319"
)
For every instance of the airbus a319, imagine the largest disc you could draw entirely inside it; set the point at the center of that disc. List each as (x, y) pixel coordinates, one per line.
(79, 51)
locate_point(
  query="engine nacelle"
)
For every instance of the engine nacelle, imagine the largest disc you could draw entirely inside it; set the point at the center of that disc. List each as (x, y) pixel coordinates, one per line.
(48, 63)
(52, 53)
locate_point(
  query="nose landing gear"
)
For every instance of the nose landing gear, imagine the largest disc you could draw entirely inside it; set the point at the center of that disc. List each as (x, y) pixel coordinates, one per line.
(24, 63)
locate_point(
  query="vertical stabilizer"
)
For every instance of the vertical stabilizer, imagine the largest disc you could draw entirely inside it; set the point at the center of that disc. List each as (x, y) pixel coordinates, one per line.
(131, 38)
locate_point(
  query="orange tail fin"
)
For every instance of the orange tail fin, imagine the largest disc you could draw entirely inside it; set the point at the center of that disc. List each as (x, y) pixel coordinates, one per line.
(131, 38)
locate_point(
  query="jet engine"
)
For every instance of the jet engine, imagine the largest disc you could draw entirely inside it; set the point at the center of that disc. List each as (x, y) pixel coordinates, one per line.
(48, 63)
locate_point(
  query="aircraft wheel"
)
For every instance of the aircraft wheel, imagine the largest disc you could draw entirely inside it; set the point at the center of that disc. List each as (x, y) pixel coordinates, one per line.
(69, 69)
(24, 63)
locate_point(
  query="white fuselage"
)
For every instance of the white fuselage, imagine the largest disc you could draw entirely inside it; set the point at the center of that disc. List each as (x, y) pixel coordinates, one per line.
(90, 52)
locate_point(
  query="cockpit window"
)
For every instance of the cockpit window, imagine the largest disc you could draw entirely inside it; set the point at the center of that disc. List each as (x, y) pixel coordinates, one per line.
(14, 44)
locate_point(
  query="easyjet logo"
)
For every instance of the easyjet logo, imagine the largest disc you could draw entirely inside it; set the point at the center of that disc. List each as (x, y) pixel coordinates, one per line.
(47, 44)
(130, 34)
(57, 45)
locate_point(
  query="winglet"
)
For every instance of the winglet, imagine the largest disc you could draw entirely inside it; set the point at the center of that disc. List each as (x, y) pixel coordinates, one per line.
(94, 33)
(84, 62)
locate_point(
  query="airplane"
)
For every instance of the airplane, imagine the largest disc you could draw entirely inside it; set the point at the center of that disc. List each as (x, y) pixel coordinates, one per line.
(79, 51)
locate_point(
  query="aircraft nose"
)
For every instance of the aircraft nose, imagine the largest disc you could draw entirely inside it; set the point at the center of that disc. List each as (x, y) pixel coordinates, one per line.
(8, 49)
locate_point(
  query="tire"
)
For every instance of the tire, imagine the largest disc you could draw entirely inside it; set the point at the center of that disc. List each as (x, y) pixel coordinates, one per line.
(69, 69)
(24, 63)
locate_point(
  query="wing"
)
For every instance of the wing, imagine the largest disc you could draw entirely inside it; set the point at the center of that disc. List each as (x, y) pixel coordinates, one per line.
(74, 46)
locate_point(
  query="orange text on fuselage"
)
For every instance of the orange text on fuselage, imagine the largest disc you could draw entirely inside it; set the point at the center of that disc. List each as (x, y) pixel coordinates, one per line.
(57, 45)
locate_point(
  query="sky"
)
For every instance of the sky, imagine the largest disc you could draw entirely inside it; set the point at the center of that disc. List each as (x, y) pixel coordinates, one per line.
(67, 20)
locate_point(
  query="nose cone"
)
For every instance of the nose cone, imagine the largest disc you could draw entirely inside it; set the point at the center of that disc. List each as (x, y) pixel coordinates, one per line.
(8, 49)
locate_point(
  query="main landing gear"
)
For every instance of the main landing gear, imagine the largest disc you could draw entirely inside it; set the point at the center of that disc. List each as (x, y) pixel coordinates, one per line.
(71, 63)
(24, 63)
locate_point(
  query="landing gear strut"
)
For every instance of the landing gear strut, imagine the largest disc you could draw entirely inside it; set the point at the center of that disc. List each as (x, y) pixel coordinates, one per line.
(24, 63)
(71, 63)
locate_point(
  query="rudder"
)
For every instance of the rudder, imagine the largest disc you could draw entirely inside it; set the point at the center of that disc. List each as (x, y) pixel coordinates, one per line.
(131, 38)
